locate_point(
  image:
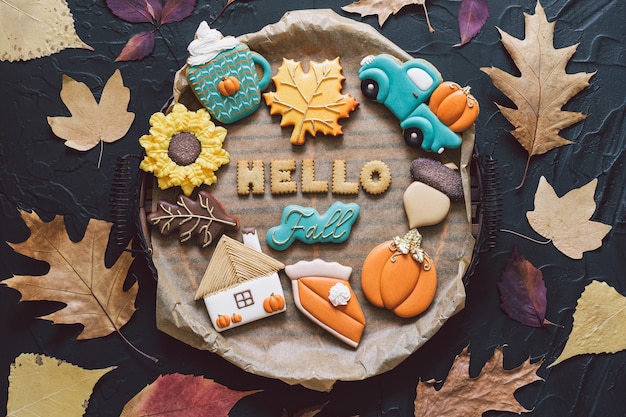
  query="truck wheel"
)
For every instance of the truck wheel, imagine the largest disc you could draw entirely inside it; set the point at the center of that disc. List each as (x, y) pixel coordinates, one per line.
(369, 88)
(413, 137)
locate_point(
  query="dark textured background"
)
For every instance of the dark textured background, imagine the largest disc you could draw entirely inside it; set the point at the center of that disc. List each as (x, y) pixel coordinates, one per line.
(37, 171)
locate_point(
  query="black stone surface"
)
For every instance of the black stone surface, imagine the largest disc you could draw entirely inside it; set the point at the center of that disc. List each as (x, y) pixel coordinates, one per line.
(38, 172)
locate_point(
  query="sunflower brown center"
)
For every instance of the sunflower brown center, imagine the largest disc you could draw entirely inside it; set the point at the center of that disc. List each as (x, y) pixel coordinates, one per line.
(184, 148)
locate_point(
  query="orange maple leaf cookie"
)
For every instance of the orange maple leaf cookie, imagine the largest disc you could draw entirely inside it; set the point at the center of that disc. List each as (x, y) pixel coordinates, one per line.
(310, 101)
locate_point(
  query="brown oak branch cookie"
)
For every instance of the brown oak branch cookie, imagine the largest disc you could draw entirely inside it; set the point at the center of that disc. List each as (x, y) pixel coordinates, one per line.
(206, 216)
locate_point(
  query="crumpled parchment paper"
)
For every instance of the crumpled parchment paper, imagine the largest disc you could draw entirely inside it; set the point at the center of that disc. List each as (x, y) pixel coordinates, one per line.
(288, 346)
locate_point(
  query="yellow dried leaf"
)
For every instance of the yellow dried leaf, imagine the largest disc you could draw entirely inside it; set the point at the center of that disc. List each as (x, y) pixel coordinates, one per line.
(310, 101)
(36, 28)
(461, 396)
(93, 294)
(43, 386)
(566, 220)
(91, 122)
(542, 88)
(599, 323)
(383, 8)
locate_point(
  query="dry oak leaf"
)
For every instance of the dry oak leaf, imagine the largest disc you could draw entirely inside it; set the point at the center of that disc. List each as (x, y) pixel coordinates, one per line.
(310, 101)
(461, 396)
(384, 9)
(566, 220)
(542, 89)
(93, 122)
(599, 323)
(178, 395)
(93, 295)
(43, 386)
(36, 28)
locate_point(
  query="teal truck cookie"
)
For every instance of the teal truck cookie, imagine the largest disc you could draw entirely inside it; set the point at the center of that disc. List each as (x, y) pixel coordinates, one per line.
(404, 88)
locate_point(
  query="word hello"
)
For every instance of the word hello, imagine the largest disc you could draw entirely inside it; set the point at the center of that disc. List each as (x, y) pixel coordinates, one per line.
(374, 178)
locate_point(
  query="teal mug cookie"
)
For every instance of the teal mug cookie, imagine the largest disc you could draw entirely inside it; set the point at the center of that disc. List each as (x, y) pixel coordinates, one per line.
(223, 75)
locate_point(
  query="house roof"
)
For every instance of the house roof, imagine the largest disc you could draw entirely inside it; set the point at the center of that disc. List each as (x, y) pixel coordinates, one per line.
(233, 263)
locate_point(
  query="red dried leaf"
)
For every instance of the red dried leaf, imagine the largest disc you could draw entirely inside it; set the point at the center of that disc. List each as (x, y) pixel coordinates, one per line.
(177, 10)
(472, 17)
(523, 291)
(138, 47)
(178, 395)
(136, 11)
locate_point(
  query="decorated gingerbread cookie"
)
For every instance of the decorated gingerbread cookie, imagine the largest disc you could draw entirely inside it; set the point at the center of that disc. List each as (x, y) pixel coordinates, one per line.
(241, 284)
(311, 101)
(399, 276)
(307, 225)
(322, 292)
(435, 183)
(205, 217)
(183, 148)
(405, 88)
(222, 73)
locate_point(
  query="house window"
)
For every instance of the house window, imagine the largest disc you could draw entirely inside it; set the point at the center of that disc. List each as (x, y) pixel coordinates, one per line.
(244, 299)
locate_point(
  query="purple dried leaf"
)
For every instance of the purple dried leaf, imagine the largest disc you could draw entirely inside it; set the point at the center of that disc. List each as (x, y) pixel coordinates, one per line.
(177, 10)
(135, 11)
(138, 47)
(523, 291)
(155, 8)
(472, 17)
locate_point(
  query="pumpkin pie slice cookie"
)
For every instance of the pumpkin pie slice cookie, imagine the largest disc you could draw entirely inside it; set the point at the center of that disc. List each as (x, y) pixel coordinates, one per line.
(322, 293)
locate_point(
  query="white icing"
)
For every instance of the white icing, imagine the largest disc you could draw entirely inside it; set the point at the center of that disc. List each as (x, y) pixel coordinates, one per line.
(339, 294)
(420, 78)
(207, 44)
(318, 268)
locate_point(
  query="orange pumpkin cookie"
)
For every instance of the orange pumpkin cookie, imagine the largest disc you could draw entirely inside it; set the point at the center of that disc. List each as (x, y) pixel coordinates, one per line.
(399, 276)
(322, 293)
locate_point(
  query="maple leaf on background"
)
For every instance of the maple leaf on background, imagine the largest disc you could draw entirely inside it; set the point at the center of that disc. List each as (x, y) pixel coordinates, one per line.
(178, 395)
(523, 291)
(311, 102)
(384, 9)
(154, 12)
(541, 90)
(472, 17)
(93, 295)
(565, 220)
(91, 122)
(206, 216)
(26, 25)
(599, 323)
(461, 396)
(43, 386)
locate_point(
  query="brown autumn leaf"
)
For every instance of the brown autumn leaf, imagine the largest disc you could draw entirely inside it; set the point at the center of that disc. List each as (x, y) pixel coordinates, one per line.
(36, 28)
(599, 323)
(461, 396)
(91, 122)
(43, 386)
(542, 89)
(566, 220)
(93, 295)
(384, 9)
(178, 395)
(310, 101)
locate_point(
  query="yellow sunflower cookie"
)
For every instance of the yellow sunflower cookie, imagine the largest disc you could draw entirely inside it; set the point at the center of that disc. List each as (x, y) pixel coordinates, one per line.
(183, 148)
